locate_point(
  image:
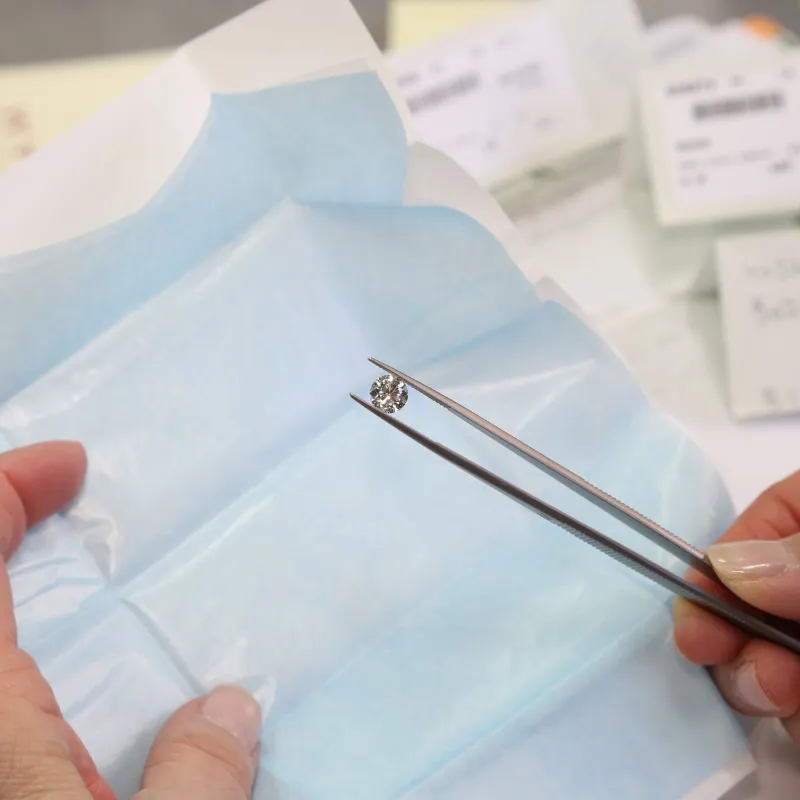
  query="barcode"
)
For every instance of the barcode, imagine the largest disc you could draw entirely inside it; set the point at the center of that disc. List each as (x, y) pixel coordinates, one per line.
(458, 87)
(739, 105)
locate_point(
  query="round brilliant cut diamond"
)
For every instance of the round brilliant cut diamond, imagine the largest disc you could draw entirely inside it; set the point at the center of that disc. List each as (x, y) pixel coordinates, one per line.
(388, 394)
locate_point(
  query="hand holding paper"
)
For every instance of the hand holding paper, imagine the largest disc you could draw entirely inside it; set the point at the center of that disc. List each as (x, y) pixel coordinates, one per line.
(208, 748)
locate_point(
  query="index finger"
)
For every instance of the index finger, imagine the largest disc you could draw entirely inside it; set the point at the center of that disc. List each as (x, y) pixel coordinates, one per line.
(35, 482)
(700, 636)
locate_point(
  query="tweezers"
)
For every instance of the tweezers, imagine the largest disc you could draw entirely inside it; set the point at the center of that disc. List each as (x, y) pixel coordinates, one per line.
(746, 618)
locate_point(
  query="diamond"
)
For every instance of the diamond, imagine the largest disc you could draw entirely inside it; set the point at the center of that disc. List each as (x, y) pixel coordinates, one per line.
(388, 394)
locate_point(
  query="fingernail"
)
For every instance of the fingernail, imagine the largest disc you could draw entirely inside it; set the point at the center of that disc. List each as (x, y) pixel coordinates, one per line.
(753, 560)
(235, 711)
(751, 695)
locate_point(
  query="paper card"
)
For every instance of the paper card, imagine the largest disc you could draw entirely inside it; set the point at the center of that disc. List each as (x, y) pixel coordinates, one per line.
(523, 89)
(683, 38)
(759, 279)
(40, 102)
(723, 142)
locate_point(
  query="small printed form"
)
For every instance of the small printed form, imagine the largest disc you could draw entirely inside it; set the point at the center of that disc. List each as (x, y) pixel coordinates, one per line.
(498, 98)
(724, 143)
(759, 279)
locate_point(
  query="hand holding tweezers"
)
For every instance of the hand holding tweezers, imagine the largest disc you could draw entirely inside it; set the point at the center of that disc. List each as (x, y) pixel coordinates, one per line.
(748, 619)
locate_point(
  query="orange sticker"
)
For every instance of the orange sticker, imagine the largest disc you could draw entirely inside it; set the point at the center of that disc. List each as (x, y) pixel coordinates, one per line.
(765, 27)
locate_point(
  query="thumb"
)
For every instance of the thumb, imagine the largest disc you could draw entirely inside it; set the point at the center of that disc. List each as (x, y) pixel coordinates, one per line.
(207, 751)
(764, 573)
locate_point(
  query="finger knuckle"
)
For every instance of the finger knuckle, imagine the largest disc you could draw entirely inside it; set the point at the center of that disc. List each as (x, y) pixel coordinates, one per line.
(31, 769)
(20, 677)
(203, 757)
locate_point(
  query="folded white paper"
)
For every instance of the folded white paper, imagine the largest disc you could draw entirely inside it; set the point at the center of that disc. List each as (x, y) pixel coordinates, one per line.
(527, 88)
(723, 140)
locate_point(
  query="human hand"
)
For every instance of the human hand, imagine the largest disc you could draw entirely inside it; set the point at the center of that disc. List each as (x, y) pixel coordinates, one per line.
(207, 751)
(758, 559)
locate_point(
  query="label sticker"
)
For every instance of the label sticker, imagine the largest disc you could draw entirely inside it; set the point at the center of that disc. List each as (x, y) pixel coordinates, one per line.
(498, 98)
(726, 145)
(759, 279)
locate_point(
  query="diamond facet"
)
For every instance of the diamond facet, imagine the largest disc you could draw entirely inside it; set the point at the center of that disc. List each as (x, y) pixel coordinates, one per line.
(388, 394)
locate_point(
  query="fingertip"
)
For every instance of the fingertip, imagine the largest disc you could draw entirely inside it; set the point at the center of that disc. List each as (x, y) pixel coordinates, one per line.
(45, 477)
(764, 680)
(74, 451)
(703, 638)
(763, 573)
(779, 673)
(68, 467)
(66, 454)
(236, 712)
(208, 748)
